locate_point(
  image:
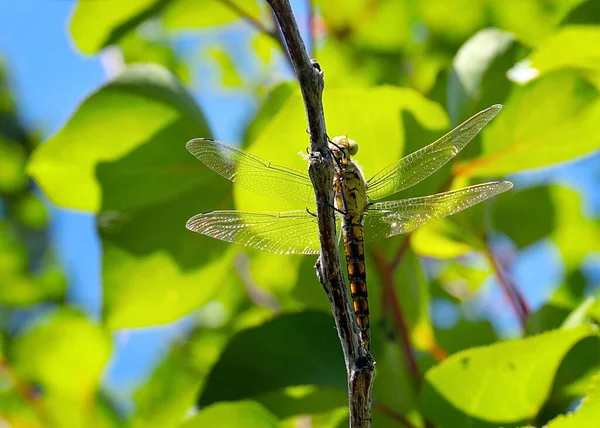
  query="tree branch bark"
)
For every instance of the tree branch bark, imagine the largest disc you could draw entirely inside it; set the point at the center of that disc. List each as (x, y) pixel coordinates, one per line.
(360, 367)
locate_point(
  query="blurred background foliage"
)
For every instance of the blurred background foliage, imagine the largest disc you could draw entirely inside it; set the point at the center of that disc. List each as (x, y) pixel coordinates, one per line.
(484, 319)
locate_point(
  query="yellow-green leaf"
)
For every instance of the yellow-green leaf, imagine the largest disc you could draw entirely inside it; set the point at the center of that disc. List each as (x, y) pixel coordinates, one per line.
(182, 14)
(500, 384)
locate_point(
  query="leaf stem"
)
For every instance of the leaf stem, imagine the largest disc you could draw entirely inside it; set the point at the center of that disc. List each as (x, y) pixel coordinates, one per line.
(511, 291)
(259, 26)
(381, 408)
(391, 298)
(360, 367)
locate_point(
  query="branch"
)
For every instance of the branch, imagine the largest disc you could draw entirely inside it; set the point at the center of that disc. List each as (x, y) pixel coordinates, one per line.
(360, 366)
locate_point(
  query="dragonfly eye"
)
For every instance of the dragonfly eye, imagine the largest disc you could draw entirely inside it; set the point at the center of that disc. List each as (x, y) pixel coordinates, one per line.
(352, 147)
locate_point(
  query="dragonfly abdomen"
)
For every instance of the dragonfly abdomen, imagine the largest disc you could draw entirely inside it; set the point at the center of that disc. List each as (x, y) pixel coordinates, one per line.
(357, 276)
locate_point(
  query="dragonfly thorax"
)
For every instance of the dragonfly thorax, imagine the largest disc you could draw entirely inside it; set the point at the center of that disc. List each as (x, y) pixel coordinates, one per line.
(350, 188)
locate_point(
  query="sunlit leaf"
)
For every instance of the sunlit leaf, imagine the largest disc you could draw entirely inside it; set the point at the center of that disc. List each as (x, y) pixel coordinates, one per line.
(182, 14)
(551, 120)
(97, 24)
(233, 415)
(271, 105)
(585, 416)
(531, 21)
(340, 19)
(440, 239)
(284, 139)
(477, 79)
(492, 391)
(172, 388)
(573, 47)
(229, 75)
(125, 145)
(304, 400)
(265, 47)
(154, 269)
(137, 49)
(467, 17)
(66, 354)
(576, 235)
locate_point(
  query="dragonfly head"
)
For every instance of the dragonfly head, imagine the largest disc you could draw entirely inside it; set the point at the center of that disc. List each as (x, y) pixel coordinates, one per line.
(344, 146)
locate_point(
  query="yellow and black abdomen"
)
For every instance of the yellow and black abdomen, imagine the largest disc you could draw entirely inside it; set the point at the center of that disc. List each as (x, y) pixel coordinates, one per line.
(357, 276)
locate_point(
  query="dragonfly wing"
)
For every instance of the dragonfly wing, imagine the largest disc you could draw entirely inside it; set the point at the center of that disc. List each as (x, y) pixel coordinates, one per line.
(419, 165)
(288, 232)
(253, 173)
(385, 219)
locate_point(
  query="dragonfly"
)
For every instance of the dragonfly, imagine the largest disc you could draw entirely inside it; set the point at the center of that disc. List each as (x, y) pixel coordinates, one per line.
(360, 218)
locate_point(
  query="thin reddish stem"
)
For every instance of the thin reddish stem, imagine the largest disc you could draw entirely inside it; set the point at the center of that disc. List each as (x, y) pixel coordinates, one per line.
(513, 294)
(381, 408)
(385, 273)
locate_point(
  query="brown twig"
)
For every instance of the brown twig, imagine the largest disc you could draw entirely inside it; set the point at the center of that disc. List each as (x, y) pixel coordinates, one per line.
(360, 366)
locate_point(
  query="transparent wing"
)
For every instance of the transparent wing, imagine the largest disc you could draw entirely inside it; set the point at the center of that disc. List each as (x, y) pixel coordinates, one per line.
(385, 219)
(288, 232)
(253, 173)
(419, 165)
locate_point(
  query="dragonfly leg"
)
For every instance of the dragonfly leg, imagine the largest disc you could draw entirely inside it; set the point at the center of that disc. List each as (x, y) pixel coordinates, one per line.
(337, 210)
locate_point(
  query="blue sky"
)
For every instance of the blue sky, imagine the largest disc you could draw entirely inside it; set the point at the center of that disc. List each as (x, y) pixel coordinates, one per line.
(50, 78)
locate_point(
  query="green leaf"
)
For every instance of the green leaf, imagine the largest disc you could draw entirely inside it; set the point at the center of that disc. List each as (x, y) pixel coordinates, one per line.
(587, 415)
(137, 49)
(581, 314)
(530, 134)
(492, 389)
(125, 145)
(477, 79)
(172, 389)
(395, 387)
(233, 415)
(12, 167)
(97, 24)
(184, 14)
(466, 334)
(413, 294)
(441, 239)
(65, 353)
(462, 279)
(345, 18)
(230, 78)
(154, 269)
(575, 234)
(271, 105)
(303, 400)
(525, 216)
(467, 17)
(572, 47)
(531, 21)
(314, 353)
